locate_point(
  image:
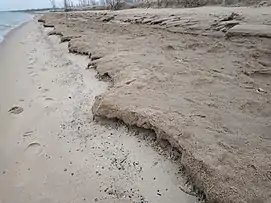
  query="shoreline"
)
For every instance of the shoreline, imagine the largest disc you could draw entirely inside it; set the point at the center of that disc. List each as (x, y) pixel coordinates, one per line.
(15, 27)
(63, 89)
(54, 146)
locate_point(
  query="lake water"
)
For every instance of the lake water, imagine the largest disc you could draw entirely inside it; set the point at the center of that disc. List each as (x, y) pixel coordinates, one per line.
(10, 20)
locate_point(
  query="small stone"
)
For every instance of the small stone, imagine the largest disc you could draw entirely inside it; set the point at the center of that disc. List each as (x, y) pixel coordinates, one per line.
(155, 163)
(92, 65)
(261, 90)
(65, 169)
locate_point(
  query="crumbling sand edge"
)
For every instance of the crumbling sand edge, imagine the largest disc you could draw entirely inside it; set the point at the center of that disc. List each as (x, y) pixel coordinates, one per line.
(198, 174)
(206, 181)
(197, 187)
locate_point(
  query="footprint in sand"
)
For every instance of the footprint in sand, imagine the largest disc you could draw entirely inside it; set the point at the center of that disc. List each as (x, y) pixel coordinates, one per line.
(34, 148)
(28, 133)
(33, 50)
(16, 110)
(33, 74)
(45, 90)
(32, 60)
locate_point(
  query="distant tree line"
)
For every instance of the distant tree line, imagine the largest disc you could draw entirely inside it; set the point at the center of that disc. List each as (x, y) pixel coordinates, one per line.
(69, 4)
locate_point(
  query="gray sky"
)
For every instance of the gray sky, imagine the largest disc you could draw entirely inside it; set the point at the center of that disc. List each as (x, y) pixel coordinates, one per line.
(25, 4)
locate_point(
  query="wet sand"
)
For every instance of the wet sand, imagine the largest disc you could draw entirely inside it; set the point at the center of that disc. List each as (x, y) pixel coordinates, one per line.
(51, 150)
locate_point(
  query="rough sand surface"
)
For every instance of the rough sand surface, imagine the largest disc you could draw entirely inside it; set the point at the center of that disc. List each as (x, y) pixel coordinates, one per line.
(205, 92)
(51, 150)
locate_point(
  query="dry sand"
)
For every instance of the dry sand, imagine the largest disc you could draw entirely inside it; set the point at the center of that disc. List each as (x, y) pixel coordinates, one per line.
(51, 150)
(190, 76)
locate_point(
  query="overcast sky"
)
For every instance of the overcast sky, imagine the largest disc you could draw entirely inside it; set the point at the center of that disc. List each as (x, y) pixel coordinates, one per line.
(25, 4)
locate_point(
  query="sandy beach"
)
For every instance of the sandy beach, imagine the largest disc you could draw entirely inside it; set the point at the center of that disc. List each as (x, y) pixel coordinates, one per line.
(51, 150)
(197, 77)
(141, 105)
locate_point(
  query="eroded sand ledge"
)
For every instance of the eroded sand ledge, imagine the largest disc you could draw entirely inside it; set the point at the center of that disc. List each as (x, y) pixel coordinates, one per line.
(51, 150)
(209, 97)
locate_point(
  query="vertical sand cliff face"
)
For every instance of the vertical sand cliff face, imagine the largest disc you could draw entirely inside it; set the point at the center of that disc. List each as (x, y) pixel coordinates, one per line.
(179, 73)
